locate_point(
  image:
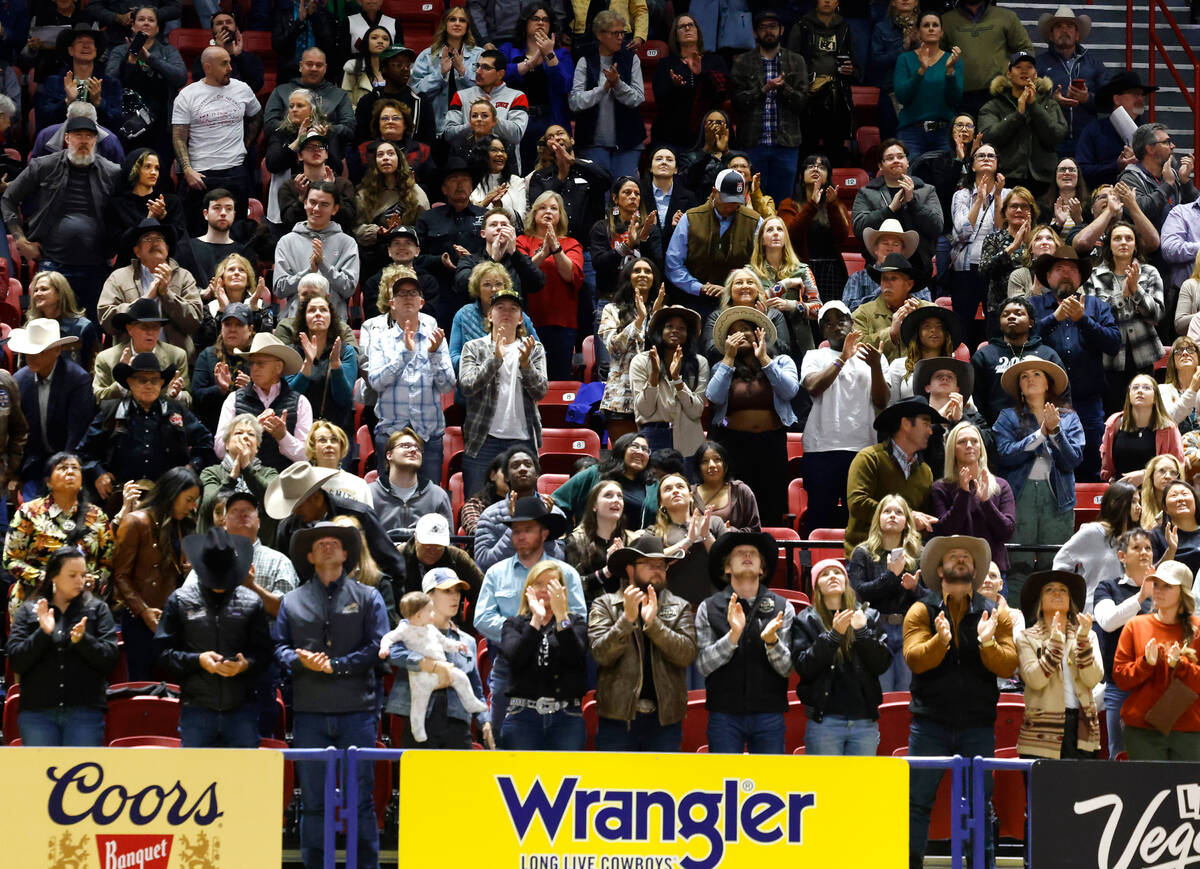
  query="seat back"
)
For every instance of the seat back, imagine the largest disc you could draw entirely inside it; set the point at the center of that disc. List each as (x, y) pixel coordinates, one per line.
(1009, 798)
(552, 407)
(695, 723)
(780, 579)
(1009, 718)
(895, 720)
(141, 716)
(547, 484)
(797, 502)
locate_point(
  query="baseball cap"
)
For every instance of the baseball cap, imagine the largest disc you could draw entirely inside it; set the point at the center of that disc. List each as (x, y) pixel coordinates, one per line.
(1020, 56)
(75, 124)
(833, 305)
(442, 577)
(239, 311)
(248, 497)
(393, 50)
(432, 530)
(731, 186)
(401, 232)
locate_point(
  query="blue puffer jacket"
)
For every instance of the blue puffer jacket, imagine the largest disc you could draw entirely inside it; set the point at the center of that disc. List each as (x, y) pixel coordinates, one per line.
(1019, 442)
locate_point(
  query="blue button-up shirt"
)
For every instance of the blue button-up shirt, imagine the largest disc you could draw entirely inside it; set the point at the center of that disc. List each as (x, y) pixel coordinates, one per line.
(502, 590)
(410, 383)
(677, 272)
(661, 202)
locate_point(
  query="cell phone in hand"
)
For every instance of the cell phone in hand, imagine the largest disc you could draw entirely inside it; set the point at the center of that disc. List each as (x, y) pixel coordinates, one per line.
(1078, 83)
(139, 41)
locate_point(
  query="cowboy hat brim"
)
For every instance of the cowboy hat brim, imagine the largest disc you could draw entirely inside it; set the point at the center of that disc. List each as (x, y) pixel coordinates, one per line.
(911, 326)
(292, 363)
(925, 369)
(662, 314)
(913, 272)
(1031, 591)
(1043, 264)
(124, 318)
(751, 315)
(1083, 24)
(302, 543)
(931, 559)
(556, 523)
(133, 235)
(888, 419)
(195, 546)
(18, 344)
(123, 371)
(767, 548)
(627, 555)
(911, 239)
(1010, 380)
(279, 506)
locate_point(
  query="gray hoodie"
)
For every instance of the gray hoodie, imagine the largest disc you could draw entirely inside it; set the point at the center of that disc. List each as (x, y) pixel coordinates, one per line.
(339, 265)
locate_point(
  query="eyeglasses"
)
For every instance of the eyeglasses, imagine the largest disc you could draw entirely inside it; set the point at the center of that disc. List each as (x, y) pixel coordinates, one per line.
(407, 447)
(1166, 141)
(637, 448)
(985, 156)
(964, 126)
(406, 293)
(485, 66)
(1018, 206)
(686, 25)
(1068, 170)
(1190, 351)
(613, 32)
(539, 17)
(383, 118)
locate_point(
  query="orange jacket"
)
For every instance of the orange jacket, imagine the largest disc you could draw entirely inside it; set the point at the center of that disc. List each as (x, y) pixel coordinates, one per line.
(1147, 683)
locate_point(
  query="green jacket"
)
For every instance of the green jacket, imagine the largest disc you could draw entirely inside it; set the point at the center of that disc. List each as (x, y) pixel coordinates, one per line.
(571, 497)
(986, 44)
(1025, 143)
(873, 474)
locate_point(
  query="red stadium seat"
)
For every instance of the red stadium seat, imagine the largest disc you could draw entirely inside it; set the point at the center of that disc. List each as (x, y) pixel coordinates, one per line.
(1087, 501)
(366, 447)
(797, 502)
(259, 42)
(944, 302)
(190, 41)
(695, 724)
(562, 447)
(836, 535)
(795, 444)
(289, 770)
(651, 52)
(866, 104)
(457, 498)
(868, 139)
(452, 445)
(547, 484)
(146, 742)
(141, 716)
(795, 723)
(895, 719)
(962, 353)
(896, 697)
(589, 356)
(255, 209)
(855, 262)
(1009, 717)
(552, 406)
(483, 663)
(780, 578)
(848, 182)
(798, 599)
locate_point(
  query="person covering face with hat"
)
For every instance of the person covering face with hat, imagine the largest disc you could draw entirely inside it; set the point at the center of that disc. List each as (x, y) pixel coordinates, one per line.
(894, 467)
(643, 639)
(751, 393)
(744, 637)
(152, 274)
(957, 643)
(140, 436)
(879, 320)
(327, 637)
(140, 331)
(213, 639)
(533, 526)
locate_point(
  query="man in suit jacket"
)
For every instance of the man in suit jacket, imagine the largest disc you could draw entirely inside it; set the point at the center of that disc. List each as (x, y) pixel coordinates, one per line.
(671, 199)
(56, 398)
(140, 328)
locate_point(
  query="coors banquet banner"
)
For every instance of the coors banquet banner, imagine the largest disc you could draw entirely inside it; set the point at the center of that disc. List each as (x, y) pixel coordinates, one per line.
(123, 808)
(1095, 815)
(575, 810)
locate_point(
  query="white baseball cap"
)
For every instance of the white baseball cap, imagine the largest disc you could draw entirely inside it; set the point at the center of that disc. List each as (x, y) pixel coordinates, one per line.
(432, 530)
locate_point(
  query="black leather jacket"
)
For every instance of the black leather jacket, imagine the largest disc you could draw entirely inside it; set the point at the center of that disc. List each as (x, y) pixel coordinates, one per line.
(814, 655)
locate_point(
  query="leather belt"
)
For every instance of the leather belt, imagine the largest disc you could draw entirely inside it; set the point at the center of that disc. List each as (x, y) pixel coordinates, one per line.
(542, 705)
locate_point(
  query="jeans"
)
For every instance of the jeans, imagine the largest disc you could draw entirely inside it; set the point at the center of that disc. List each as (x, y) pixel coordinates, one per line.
(441, 730)
(200, 727)
(777, 165)
(897, 677)
(615, 160)
(839, 735)
(919, 142)
(759, 459)
(528, 730)
(967, 291)
(314, 730)
(431, 459)
(825, 475)
(644, 733)
(474, 468)
(761, 733)
(72, 725)
(1091, 416)
(929, 738)
(498, 689)
(559, 343)
(1113, 698)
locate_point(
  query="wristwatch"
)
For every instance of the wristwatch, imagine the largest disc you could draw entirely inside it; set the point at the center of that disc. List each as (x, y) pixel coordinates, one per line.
(564, 624)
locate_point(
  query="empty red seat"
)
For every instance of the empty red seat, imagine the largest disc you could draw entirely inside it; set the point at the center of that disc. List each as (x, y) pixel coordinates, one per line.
(141, 716)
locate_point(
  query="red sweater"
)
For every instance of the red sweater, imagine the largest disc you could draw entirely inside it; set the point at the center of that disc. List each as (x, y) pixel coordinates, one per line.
(1147, 683)
(557, 303)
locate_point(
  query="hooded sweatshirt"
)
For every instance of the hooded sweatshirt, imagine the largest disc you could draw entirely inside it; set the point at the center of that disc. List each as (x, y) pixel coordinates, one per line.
(339, 265)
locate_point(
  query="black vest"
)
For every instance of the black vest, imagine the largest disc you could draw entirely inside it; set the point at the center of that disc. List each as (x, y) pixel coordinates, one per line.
(748, 684)
(627, 122)
(247, 401)
(225, 631)
(960, 691)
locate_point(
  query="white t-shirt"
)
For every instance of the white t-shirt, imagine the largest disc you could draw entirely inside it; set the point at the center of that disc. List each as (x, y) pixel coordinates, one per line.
(216, 138)
(843, 415)
(509, 420)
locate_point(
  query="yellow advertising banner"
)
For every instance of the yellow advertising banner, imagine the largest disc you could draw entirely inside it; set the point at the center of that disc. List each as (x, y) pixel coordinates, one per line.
(561, 810)
(127, 808)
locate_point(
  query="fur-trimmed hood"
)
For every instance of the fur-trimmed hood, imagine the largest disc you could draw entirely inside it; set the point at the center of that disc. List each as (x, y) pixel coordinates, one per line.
(1001, 85)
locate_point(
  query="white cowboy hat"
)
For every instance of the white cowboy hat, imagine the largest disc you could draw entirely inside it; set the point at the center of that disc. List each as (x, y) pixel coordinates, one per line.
(1083, 23)
(267, 344)
(38, 335)
(892, 226)
(296, 483)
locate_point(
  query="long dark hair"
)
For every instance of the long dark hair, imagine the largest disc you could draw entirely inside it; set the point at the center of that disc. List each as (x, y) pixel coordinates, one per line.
(588, 522)
(626, 308)
(331, 334)
(690, 369)
(487, 493)
(1106, 252)
(801, 194)
(159, 503)
(613, 467)
(362, 59)
(1115, 507)
(719, 449)
(614, 221)
(80, 530)
(54, 566)
(527, 11)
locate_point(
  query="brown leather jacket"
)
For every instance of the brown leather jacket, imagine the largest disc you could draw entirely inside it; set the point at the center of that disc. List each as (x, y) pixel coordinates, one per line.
(142, 574)
(617, 645)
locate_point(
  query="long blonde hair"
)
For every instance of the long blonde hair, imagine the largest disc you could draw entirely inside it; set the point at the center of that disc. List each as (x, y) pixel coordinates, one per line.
(849, 602)
(533, 577)
(910, 538)
(367, 570)
(727, 287)
(1151, 507)
(68, 305)
(950, 470)
(1159, 418)
(1196, 268)
(758, 258)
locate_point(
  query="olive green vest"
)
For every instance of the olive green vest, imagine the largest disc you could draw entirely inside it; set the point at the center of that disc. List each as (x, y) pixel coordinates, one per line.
(712, 256)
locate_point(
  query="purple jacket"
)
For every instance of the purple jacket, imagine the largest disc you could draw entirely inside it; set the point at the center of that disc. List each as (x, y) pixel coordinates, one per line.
(960, 512)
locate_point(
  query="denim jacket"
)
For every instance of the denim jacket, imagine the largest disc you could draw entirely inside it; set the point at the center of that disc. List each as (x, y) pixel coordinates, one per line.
(785, 383)
(399, 702)
(1018, 451)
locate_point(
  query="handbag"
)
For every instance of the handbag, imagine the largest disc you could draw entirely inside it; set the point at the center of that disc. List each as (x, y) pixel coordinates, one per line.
(1172, 704)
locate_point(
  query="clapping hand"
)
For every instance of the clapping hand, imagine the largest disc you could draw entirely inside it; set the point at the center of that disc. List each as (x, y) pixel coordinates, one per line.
(1085, 629)
(1173, 654)
(536, 608)
(79, 630)
(157, 208)
(632, 599)
(760, 347)
(1050, 418)
(1131, 279)
(318, 662)
(736, 618)
(1152, 652)
(841, 621)
(335, 354)
(650, 606)
(910, 580)
(436, 338)
(223, 376)
(526, 352)
(309, 348)
(942, 625)
(45, 616)
(558, 599)
(986, 629)
(770, 634)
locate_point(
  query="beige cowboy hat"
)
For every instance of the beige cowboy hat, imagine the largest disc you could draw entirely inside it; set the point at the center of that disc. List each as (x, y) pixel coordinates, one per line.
(37, 336)
(296, 483)
(1083, 23)
(1010, 380)
(931, 559)
(751, 315)
(891, 226)
(266, 344)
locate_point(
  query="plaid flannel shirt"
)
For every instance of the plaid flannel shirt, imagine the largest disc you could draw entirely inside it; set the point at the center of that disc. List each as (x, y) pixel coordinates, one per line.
(748, 77)
(410, 383)
(479, 379)
(1136, 315)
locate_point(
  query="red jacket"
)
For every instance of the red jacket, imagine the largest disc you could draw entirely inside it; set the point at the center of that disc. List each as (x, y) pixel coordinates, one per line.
(1166, 440)
(557, 303)
(1147, 683)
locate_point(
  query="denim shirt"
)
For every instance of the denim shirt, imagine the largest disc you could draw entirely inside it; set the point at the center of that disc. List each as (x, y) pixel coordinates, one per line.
(780, 372)
(502, 590)
(399, 702)
(1018, 452)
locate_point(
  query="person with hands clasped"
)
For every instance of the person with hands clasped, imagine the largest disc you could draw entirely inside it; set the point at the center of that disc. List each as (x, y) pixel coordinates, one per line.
(63, 644)
(643, 638)
(840, 651)
(214, 639)
(1025, 123)
(956, 642)
(554, 310)
(743, 633)
(140, 330)
(668, 380)
(327, 635)
(969, 498)
(1060, 665)
(499, 246)
(894, 194)
(1156, 662)
(928, 85)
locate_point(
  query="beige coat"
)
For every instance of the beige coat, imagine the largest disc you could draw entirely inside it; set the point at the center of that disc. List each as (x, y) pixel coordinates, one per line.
(682, 408)
(1045, 700)
(104, 385)
(181, 306)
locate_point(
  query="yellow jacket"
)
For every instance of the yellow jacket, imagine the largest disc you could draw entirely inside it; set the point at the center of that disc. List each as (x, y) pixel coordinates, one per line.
(635, 13)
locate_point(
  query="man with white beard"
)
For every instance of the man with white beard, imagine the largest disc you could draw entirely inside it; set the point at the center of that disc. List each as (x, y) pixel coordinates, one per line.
(64, 229)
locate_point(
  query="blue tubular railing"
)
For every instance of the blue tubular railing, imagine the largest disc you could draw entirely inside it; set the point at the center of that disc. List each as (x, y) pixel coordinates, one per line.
(350, 812)
(333, 794)
(984, 766)
(959, 808)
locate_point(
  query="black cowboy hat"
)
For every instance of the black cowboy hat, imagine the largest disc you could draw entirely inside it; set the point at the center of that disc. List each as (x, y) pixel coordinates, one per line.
(924, 370)
(762, 541)
(1064, 253)
(1031, 591)
(1124, 80)
(66, 38)
(221, 560)
(303, 540)
(888, 420)
(531, 508)
(643, 546)
(141, 311)
(911, 326)
(141, 362)
(455, 164)
(134, 234)
(897, 262)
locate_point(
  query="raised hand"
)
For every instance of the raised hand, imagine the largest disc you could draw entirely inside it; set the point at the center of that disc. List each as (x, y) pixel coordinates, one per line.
(676, 363)
(79, 630)
(910, 580)
(770, 634)
(223, 376)
(632, 599)
(558, 599)
(650, 605)
(1152, 652)
(309, 348)
(942, 625)
(536, 607)
(526, 351)
(851, 344)
(841, 621)
(986, 629)
(45, 616)
(736, 618)
(1131, 279)
(1085, 629)
(335, 354)
(858, 621)
(760, 347)
(661, 299)
(436, 338)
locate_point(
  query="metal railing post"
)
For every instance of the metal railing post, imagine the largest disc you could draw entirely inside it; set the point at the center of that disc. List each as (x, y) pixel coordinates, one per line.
(350, 805)
(332, 800)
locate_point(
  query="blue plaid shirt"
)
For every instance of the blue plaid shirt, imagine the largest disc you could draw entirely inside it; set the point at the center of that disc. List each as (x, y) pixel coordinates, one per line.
(770, 116)
(410, 383)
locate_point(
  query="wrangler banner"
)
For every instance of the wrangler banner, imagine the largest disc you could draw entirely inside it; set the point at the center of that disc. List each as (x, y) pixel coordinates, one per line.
(122, 808)
(553, 810)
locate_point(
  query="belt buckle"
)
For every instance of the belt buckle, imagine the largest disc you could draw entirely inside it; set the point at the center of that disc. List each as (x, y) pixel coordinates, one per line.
(645, 707)
(929, 126)
(545, 706)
